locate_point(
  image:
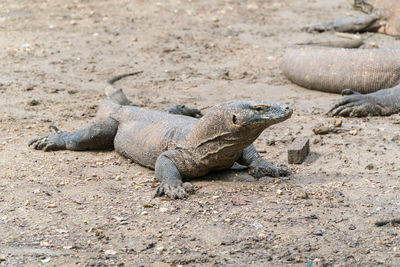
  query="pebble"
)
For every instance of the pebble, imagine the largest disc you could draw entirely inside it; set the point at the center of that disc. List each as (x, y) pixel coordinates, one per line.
(338, 123)
(370, 166)
(160, 249)
(320, 129)
(318, 232)
(144, 213)
(110, 252)
(33, 102)
(352, 227)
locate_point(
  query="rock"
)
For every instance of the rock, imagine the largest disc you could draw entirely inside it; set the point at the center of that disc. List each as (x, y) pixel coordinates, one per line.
(321, 129)
(110, 252)
(160, 249)
(338, 123)
(317, 232)
(370, 166)
(299, 150)
(33, 102)
(352, 227)
(353, 132)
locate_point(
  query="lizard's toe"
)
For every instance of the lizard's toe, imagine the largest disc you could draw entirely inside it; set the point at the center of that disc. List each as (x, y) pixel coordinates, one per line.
(171, 191)
(284, 170)
(175, 192)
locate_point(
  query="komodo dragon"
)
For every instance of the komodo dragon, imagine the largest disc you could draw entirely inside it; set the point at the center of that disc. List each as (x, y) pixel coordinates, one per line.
(350, 71)
(382, 16)
(177, 146)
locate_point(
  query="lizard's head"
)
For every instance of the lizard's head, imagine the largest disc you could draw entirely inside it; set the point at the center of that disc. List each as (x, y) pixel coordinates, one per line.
(250, 114)
(257, 114)
(238, 123)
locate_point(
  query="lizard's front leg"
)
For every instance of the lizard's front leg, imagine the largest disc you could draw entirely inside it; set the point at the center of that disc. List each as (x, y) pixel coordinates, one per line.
(168, 174)
(258, 167)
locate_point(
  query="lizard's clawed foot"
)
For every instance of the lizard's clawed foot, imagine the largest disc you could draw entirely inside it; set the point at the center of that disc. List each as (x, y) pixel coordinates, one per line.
(262, 168)
(174, 189)
(183, 110)
(358, 105)
(49, 142)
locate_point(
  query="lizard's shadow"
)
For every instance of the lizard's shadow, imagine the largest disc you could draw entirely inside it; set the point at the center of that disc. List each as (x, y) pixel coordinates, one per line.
(237, 173)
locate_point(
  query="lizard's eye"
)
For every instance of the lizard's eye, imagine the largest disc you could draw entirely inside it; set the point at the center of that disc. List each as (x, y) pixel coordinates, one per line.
(260, 108)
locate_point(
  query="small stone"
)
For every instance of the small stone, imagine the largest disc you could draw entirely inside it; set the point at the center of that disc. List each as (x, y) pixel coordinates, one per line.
(160, 249)
(353, 132)
(2, 258)
(318, 233)
(118, 178)
(370, 166)
(338, 123)
(144, 213)
(279, 192)
(299, 150)
(110, 252)
(352, 227)
(52, 205)
(321, 129)
(33, 102)
(30, 88)
(44, 244)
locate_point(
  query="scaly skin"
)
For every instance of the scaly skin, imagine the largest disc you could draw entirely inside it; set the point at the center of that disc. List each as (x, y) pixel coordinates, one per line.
(177, 146)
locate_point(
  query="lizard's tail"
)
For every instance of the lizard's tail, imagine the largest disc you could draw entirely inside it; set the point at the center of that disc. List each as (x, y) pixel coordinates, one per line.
(115, 97)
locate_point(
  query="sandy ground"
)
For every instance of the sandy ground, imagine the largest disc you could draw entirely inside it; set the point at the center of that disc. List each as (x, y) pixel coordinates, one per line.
(97, 209)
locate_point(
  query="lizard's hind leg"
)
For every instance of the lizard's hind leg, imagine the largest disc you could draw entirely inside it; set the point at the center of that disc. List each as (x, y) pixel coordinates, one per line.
(99, 135)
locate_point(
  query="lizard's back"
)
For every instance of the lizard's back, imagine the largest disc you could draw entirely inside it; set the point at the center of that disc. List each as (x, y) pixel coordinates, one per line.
(144, 134)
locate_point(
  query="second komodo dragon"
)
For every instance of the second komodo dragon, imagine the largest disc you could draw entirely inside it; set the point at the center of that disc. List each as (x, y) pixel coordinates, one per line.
(177, 146)
(363, 73)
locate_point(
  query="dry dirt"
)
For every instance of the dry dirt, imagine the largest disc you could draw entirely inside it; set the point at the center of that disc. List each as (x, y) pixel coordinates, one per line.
(97, 209)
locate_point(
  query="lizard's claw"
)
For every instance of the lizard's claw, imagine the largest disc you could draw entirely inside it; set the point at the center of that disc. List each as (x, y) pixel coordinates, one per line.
(48, 142)
(183, 110)
(171, 188)
(262, 168)
(358, 105)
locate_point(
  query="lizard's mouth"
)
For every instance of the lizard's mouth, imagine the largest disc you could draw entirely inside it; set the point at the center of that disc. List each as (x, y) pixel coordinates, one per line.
(278, 114)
